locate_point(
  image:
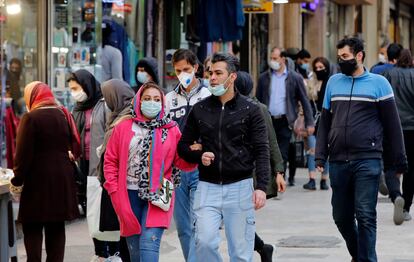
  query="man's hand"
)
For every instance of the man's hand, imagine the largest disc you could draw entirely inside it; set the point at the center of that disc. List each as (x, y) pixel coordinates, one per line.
(259, 199)
(320, 168)
(196, 147)
(311, 130)
(207, 158)
(280, 182)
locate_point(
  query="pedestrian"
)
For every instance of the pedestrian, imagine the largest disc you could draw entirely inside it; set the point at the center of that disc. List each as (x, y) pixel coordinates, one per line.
(44, 176)
(90, 115)
(358, 112)
(189, 91)
(401, 78)
(109, 57)
(140, 173)
(302, 63)
(282, 90)
(146, 71)
(315, 88)
(382, 55)
(118, 97)
(244, 85)
(234, 141)
(393, 52)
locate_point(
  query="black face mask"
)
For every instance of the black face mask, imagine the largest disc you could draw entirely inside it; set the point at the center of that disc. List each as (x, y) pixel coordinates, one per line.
(348, 67)
(321, 74)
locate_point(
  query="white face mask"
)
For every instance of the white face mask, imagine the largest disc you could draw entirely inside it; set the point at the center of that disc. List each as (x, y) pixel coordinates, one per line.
(381, 58)
(142, 77)
(79, 96)
(274, 65)
(186, 78)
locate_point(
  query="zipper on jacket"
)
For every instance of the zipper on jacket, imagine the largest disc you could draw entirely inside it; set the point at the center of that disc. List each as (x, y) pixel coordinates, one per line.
(346, 120)
(220, 145)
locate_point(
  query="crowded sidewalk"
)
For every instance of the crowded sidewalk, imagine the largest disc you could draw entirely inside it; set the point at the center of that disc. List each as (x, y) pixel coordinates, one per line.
(299, 224)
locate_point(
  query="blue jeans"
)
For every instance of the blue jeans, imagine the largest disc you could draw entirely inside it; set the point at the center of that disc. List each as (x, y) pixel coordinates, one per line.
(183, 213)
(354, 194)
(311, 140)
(232, 203)
(146, 246)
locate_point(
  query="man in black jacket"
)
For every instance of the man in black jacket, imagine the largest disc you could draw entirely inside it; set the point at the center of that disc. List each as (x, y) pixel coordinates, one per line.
(234, 141)
(281, 90)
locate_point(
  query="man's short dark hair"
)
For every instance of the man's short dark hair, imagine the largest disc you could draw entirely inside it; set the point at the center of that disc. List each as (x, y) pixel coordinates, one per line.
(184, 54)
(233, 63)
(303, 54)
(355, 45)
(394, 51)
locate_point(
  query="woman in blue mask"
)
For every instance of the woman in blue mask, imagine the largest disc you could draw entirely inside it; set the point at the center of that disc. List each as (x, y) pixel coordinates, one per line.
(141, 169)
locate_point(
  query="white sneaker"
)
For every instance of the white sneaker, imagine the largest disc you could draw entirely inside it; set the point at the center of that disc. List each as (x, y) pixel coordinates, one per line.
(114, 258)
(398, 210)
(407, 216)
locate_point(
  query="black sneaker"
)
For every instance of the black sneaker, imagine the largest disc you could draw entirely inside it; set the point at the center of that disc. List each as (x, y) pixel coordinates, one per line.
(324, 185)
(310, 185)
(266, 253)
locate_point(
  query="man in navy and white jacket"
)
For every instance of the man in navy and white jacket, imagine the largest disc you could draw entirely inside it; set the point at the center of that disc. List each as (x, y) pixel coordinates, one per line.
(189, 91)
(359, 113)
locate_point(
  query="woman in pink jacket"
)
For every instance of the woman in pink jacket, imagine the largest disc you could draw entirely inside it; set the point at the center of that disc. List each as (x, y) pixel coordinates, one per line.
(140, 155)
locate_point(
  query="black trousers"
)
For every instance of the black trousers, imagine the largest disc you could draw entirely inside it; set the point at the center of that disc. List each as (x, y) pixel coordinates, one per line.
(408, 177)
(54, 241)
(393, 183)
(283, 135)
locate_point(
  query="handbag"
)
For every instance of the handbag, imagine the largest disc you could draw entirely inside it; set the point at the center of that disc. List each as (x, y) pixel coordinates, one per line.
(165, 195)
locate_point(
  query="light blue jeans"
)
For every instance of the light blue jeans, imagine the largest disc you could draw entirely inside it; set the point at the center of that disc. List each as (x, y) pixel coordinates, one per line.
(146, 246)
(184, 215)
(311, 157)
(232, 203)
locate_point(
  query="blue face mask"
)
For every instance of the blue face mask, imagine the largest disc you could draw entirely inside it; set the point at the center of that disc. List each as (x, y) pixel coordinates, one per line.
(142, 77)
(150, 109)
(305, 66)
(218, 90)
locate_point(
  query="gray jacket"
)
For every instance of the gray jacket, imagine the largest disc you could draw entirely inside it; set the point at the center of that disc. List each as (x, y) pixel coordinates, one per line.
(99, 116)
(295, 92)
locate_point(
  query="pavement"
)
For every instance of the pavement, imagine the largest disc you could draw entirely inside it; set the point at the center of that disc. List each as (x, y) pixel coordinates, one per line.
(298, 223)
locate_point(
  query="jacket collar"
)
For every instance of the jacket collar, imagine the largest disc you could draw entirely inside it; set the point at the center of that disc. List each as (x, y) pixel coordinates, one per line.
(231, 103)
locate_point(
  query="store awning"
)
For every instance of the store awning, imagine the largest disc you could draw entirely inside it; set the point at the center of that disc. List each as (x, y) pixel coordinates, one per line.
(354, 2)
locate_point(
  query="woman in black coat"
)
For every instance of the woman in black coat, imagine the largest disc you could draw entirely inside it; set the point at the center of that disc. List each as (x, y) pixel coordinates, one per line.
(44, 175)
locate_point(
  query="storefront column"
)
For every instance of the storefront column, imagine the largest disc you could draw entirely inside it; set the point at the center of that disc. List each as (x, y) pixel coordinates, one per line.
(276, 25)
(292, 25)
(316, 30)
(370, 33)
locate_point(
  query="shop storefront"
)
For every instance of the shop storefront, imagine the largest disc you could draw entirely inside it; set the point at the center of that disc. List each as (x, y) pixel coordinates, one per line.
(75, 31)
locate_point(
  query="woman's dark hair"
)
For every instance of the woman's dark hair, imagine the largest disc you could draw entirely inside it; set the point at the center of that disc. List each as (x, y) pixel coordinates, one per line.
(72, 77)
(405, 60)
(322, 60)
(149, 85)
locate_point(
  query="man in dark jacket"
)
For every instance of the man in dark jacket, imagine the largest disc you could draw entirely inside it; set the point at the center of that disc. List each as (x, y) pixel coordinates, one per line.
(281, 90)
(358, 112)
(401, 78)
(244, 84)
(234, 141)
